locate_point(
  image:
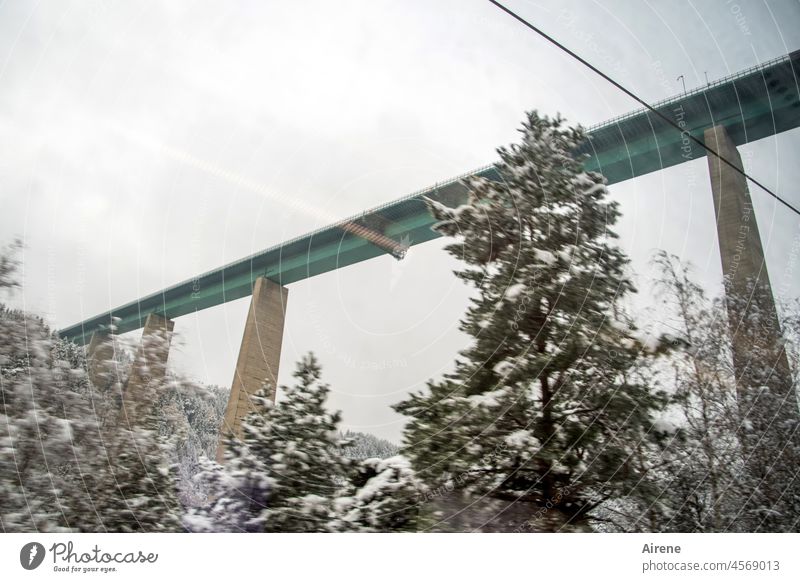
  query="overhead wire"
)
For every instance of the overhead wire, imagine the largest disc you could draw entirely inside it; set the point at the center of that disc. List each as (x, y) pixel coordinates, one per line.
(644, 103)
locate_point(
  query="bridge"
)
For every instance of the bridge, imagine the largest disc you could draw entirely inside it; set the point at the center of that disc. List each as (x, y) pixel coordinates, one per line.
(741, 108)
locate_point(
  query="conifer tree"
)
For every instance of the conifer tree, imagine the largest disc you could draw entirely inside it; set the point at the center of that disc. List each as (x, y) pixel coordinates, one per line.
(284, 473)
(289, 472)
(544, 404)
(383, 496)
(61, 467)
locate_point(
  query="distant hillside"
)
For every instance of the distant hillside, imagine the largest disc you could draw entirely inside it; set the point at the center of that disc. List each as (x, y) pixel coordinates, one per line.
(364, 446)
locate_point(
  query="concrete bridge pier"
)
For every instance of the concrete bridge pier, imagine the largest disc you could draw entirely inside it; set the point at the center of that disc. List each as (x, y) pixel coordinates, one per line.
(100, 359)
(149, 367)
(259, 355)
(767, 401)
(747, 287)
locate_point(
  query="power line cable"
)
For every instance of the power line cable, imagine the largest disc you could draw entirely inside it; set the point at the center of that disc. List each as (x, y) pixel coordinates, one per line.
(644, 103)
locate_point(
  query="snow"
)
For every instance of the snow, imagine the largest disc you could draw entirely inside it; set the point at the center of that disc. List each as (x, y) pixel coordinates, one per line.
(520, 438)
(385, 477)
(504, 368)
(445, 210)
(66, 428)
(566, 255)
(595, 189)
(545, 257)
(583, 179)
(514, 291)
(198, 523)
(664, 426)
(487, 399)
(561, 209)
(312, 503)
(457, 212)
(618, 324)
(648, 341)
(342, 504)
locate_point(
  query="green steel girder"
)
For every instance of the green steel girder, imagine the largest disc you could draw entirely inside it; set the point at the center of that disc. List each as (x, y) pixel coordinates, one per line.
(752, 104)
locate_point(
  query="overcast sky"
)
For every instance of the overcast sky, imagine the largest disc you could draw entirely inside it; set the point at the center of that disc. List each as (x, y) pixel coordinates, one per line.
(144, 142)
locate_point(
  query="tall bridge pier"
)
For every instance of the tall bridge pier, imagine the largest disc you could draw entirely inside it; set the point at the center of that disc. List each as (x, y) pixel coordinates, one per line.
(259, 355)
(147, 369)
(766, 397)
(748, 291)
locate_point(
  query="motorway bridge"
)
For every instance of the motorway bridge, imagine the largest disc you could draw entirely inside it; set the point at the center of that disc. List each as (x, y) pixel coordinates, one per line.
(742, 108)
(750, 105)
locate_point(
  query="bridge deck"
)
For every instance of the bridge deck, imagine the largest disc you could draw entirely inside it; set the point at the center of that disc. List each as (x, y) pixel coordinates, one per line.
(752, 104)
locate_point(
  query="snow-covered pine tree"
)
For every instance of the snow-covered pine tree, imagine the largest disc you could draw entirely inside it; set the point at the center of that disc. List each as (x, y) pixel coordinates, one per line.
(305, 459)
(139, 493)
(383, 496)
(284, 473)
(40, 420)
(239, 491)
(61, 469)
(44, 423)
(543, 404)
(290, 473)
